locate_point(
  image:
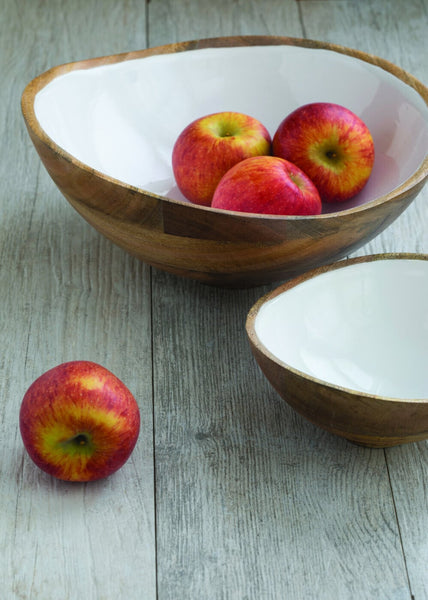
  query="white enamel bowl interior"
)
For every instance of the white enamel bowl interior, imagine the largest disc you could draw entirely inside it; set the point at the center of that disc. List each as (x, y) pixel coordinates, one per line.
(122, 119)
(363, 327)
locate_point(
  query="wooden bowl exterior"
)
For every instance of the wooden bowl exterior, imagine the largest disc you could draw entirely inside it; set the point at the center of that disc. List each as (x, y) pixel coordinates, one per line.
(373, 421)
(222, 248)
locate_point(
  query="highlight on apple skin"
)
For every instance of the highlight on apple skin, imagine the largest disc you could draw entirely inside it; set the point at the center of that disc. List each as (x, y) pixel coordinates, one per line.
(267, 185)
(79, 422)
(209, 146)
(331, 144)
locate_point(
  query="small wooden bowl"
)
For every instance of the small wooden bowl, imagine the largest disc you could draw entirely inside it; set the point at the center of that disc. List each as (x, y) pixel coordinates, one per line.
(346, 346)
(104, 129)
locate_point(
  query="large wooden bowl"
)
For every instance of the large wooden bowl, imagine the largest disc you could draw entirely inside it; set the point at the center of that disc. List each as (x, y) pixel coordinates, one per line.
(104, 128)
(346, 346)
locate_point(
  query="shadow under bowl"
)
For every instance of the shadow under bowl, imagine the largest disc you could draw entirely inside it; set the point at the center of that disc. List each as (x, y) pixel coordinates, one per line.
(346, 346)
(105, 127)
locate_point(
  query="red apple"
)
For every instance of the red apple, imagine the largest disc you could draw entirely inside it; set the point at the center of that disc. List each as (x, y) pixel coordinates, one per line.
(331, 144)
(210, 146)
(79, 422)
(267, 184)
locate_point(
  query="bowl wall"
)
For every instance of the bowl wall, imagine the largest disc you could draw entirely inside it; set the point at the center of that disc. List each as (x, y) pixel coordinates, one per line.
(364, 327)
(346, 345)
(104, 129)
(122, 119)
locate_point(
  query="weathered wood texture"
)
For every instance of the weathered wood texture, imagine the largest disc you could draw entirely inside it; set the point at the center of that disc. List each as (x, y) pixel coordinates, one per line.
(229, 494)
(264, 505)
(67, 293)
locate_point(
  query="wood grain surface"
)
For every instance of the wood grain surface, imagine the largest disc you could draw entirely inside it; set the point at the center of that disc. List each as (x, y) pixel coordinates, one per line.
(229, 493)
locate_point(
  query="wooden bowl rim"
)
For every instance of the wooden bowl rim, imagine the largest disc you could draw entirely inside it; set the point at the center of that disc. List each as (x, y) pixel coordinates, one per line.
(39, 82)
(257, 343)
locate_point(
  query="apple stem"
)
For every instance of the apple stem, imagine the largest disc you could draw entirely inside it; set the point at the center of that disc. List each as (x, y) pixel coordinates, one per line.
(80, 444)
(81, 439)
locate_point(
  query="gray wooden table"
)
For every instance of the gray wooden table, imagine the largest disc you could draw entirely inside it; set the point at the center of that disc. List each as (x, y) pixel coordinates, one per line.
(229, 494)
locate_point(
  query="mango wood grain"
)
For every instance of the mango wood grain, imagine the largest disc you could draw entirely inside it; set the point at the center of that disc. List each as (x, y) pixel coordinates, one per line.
(368, 420)
(216, 247)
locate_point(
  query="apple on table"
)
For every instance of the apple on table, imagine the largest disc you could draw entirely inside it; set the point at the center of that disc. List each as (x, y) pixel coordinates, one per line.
(209, 146)
(331, 144)
(79, 422)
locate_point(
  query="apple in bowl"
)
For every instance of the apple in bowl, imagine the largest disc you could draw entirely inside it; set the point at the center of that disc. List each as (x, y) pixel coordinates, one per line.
(209, 146)
(331, 144)
(92, 124)
(79, 422)
(268, 185)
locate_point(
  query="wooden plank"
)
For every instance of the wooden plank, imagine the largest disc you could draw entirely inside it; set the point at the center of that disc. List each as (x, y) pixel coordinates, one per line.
(396, 31)
(253, 502)
(66, 293)
(408, 468)
(180, 20)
